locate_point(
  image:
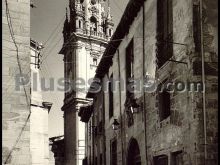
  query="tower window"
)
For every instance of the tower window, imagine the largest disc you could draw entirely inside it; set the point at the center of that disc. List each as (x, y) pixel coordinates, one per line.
(80, 25)
(164, 31)
(95, 61)
(110, 32)
(93, 26)
(93, 2)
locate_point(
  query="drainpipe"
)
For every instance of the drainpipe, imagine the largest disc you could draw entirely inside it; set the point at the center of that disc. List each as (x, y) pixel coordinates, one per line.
(121, 127)
(104, 135)
(203, 81)
(144, 109)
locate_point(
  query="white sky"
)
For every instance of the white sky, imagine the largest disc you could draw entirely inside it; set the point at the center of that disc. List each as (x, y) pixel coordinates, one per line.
(48, 17)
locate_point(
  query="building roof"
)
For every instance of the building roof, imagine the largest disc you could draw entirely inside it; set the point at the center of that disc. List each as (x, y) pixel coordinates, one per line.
(131, 11)
(122, 29)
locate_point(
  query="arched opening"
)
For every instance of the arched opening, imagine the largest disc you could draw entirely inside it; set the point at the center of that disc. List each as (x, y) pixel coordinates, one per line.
(93, 2)
(133, 156)
(80, 24)
(93, 26)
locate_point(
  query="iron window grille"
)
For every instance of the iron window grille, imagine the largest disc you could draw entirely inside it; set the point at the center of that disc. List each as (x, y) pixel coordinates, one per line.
(164, 31)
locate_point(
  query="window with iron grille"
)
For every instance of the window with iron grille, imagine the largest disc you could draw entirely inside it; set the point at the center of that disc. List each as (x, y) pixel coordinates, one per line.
(113, 152)
(164, 102)
(129, 68)
(164, 31)
(111, 102)
(100, 127)
(161, 160)
(96, 161)
(129, 81)
(196, 27)
(177, 158)
(100, 159)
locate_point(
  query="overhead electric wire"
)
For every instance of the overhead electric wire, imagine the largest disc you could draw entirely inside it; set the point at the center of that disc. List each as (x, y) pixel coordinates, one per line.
(51, 50)
(118, 6)
(53, 34)
(54, 30)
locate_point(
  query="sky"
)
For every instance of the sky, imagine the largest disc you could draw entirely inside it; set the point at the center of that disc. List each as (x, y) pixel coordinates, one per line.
(46, 27)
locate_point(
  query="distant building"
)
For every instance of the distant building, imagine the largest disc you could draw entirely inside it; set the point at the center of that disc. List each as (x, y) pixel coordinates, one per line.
(86, 33)
(164, 41)
(39, 139)
(57, 147)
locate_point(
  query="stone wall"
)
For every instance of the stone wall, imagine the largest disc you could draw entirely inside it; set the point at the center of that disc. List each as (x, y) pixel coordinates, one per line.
(16, 145)
(182, 133)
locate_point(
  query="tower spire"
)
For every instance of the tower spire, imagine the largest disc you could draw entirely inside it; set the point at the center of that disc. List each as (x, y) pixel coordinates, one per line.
(109, 12)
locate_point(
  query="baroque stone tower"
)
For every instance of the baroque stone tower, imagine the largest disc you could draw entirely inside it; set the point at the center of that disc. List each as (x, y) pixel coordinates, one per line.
(87, 30)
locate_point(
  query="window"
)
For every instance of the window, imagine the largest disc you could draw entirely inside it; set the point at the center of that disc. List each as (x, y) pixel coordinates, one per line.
(111, 103)
(110, 32)
(177, 158)
(93, 23)
(90, 129)
(93, 2)
(164, 103)
(161, 160)
(196, 27)
(113, 152)
(129, 67)
(100, 159)
(100, 127)
(95, 61)
(164, 31)
(80, 24)
(96, 161)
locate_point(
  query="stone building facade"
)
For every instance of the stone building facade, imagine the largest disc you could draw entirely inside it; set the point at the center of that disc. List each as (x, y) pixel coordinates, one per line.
(87, 29)
(15, 109)
(39, 139)
(25, 115)
(164, 42)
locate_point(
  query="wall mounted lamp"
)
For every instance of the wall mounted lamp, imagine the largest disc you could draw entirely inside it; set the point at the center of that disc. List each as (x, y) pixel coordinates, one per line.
(115, 125)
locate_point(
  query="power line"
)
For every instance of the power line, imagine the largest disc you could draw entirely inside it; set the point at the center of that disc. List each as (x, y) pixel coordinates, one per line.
(54, 30)
(50, 44)
(52, 34)
(51, 50)
(118, 6)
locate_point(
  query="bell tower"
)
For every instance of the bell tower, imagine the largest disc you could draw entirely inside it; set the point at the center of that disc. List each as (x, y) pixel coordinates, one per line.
(87, 29)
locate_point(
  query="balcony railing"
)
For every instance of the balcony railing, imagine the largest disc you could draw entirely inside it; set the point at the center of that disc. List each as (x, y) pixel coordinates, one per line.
(92, 33)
